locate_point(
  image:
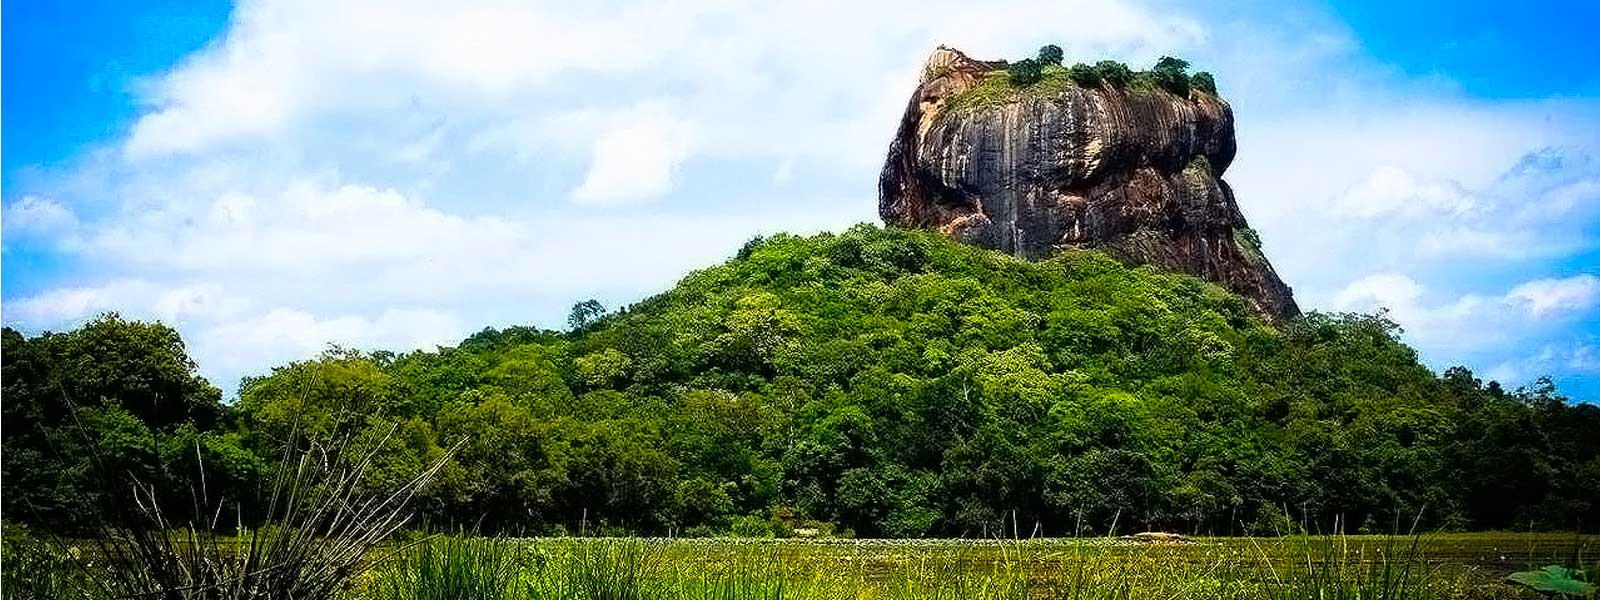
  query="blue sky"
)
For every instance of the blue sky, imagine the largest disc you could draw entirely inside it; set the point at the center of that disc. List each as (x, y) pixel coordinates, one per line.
(1535, 50)
(276, 175)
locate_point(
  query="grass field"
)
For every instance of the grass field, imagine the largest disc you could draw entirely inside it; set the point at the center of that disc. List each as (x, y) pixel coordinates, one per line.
(1342, 567)
(1334, 567)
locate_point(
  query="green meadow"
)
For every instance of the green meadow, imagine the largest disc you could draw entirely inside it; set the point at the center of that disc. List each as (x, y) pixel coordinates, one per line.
(1338, 566)
(446, 567)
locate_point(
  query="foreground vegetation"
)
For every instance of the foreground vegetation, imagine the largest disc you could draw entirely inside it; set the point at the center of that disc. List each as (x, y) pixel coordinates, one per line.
(1298, 567)
(875, 383)
(1366, 567)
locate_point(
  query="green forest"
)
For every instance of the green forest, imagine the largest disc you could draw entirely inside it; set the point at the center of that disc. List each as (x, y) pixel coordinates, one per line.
(873, 383)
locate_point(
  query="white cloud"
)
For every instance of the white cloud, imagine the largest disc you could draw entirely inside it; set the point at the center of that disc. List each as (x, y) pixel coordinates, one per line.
(359, 168)
(301, 333)
(634, 158)
(1407, 299)
(167, 302)
(1394, 190)
(34, 215)
(1584, 358)
(1524, 369)
(286, 63)
(311, 232)
(285, 60)
(1462, 241)
(70, 303)
(1417, 183)
(1576, 358)
(304, 226)
(1458, 324)
(1388, 290)
(784, 173)
(284, 334)
(1444, 324)
(229, 334)
(276, 272)
(1549, 297)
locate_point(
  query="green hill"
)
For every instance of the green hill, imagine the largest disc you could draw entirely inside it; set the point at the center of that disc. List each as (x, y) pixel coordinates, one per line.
(890, 383)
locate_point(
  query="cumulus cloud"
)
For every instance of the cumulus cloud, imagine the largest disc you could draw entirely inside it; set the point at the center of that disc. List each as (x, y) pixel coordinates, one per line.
(313, 232)
(634, 158)
(1454, 324)
(286, 60)
(72, 303)
(1347, 187)
(1523, 221)
(1391, 190)
(1385, 290)
(276, 273)
(283, 334)
(38, 220)
(1548, 297)
(1580, 358)
(231, 334)
(1460, 327)
(398, 173)
(1535, 299)
(170, 303)
(33, 213)
(285, 64)
(304, 226)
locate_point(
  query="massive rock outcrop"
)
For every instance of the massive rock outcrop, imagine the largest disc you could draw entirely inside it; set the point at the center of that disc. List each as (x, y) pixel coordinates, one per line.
(1133, 171)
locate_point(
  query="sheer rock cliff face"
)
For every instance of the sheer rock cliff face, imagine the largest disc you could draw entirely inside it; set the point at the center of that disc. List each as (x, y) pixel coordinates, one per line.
(1135, 173)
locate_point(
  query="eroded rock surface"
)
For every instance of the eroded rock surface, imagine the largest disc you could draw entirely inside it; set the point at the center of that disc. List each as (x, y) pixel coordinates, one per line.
(1133, 172)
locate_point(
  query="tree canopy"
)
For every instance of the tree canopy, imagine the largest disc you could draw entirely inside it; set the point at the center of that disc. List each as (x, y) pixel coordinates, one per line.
(882, 382)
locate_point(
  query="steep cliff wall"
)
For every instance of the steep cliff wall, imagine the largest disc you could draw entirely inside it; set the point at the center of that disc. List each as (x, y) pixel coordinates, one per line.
(1133, 171)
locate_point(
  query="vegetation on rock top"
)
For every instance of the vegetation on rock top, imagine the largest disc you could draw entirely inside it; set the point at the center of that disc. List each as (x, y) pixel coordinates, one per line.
(1046, 76)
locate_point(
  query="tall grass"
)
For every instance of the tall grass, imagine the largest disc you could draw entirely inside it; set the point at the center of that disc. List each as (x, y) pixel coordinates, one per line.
(320, 521)
(1303, 567)
(1334, 567)
(750, 574)
(452, 567)
(959, 575)
(598, 570)
(38, 569)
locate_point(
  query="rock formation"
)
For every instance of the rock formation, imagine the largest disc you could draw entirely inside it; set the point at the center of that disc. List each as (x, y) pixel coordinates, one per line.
(1132, 171)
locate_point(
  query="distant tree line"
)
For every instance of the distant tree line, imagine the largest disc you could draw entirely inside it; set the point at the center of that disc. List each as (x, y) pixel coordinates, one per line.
(876, 382)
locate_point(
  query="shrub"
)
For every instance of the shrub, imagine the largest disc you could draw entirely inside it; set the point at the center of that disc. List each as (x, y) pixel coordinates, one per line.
(1248, 237)
(1113, 73)
(1050, 55)
(1204, 82)
(1083, 75)
(1171, 74)
(751, 526)
(1270, 521)
(1024, 72)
